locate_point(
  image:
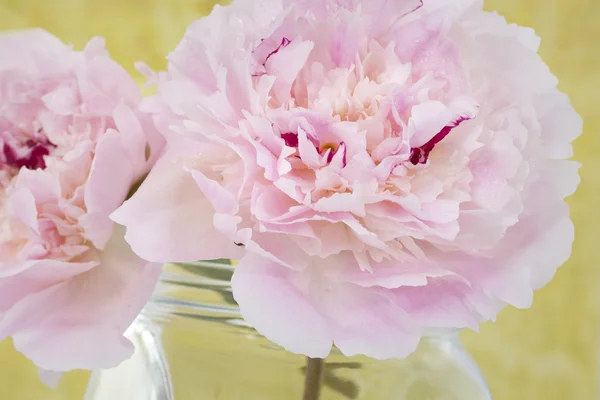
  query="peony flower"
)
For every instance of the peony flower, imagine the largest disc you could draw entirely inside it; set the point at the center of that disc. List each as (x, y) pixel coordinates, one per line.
(380, 169)
(72, 145)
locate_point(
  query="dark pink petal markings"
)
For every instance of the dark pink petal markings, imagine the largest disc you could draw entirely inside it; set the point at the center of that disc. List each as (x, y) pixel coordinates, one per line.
(420, 155)
(33, 160)
(415, 9)
(332, 154)
(290, 138)
(263, 65)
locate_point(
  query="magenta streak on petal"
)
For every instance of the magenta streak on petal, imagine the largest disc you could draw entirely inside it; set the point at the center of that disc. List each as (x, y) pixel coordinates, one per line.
(290, 138)
(284, 43)
(333, 153)
(316, 142)
(417, 8)
(420, 155)
(330, 155)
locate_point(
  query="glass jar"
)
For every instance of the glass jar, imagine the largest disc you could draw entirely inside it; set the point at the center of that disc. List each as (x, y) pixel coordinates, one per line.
(192, 344)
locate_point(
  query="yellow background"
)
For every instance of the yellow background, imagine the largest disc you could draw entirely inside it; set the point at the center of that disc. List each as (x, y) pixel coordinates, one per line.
(548, 352)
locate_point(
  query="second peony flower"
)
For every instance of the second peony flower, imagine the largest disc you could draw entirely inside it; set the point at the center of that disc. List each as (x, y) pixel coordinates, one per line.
(73, 144)
(379, 168)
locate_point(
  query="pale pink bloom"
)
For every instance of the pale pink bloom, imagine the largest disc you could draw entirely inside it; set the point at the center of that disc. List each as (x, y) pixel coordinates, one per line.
(380, 168)
(72, 145)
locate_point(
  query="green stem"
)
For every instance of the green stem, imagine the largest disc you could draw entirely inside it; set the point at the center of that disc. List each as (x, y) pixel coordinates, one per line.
(314, 378)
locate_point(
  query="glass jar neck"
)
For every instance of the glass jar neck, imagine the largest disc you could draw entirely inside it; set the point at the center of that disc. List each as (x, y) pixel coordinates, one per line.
(200, 289)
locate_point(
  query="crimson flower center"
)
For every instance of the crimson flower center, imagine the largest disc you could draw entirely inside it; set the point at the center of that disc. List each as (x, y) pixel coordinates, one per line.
(26, 154)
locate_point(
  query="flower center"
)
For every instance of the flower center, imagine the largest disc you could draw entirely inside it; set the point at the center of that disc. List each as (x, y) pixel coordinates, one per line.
(328, 150)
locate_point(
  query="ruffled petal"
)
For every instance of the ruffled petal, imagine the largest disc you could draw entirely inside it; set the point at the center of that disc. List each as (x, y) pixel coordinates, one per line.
(169, 219)
(280, 310)
(80, 323)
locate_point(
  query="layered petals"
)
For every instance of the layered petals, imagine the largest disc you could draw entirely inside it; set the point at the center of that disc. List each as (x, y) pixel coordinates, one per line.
(177, 218)
(305, 312)
(380, 168)
(73, 145)
(79, 322)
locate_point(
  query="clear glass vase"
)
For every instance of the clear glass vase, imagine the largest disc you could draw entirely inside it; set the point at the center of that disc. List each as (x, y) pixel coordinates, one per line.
(192, 344)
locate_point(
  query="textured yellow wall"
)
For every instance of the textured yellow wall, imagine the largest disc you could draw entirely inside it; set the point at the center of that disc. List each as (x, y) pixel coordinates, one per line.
(546, 353)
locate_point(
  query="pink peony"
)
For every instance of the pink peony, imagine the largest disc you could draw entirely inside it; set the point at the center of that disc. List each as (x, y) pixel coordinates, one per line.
(380, 169)
(72, 144)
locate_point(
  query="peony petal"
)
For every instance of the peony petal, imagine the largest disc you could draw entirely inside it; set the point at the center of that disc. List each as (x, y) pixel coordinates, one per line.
(367, 322)
(440, 304)
(280, 310)
(411, 274)
(281, 249)
(32, 276)
(560, 124)
(104, 84)
(269, 203)
(112, 168)
(221, 200)
(44, 186)
(30, 50)
(286, 65)
(341, 202)
(21, 204)
(80, 323)
(539, 244)
(139, 138)
(308, 153)
(169, 219)
(562, 174)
